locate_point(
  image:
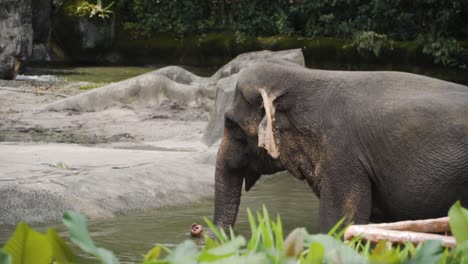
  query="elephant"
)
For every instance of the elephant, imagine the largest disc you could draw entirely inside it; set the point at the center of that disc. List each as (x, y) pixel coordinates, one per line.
(373, 146)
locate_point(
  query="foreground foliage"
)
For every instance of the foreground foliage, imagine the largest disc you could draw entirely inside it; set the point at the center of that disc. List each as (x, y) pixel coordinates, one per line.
(266, 245)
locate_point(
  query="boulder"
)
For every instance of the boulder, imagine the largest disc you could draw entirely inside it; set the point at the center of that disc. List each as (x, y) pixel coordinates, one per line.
(179, 85)
(146, 90)
(16, 35)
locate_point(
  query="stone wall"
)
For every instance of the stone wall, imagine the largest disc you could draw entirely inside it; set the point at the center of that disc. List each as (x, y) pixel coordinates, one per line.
(16, 35)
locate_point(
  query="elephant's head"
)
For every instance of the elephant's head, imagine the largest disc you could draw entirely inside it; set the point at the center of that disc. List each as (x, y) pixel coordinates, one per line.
(251, 143)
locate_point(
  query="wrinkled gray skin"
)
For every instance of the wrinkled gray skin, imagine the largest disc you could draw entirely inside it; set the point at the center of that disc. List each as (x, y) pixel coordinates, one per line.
(373, 146)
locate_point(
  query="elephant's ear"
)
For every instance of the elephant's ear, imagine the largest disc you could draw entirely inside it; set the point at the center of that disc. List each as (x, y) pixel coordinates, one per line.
(267, 128)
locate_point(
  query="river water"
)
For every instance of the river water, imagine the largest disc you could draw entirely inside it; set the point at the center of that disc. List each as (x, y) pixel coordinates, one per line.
(130, 236)
(133, 234)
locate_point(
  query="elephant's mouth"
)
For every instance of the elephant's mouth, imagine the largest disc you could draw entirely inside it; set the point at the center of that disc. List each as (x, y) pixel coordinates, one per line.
(309, 175)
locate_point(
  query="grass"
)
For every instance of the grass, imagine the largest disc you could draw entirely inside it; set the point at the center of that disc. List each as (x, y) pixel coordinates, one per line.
(92, 86)
(266, 245)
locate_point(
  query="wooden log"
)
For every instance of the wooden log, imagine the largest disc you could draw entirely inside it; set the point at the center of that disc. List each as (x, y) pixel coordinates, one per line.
(436, 225)
(373, 234)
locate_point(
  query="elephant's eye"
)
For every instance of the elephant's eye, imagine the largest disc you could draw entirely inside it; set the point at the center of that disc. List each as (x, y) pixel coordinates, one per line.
(235, 130)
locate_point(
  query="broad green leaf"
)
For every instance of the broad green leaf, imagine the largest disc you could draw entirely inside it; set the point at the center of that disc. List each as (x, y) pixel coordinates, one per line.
(294, 243)
(458, 218)
(154, 253)
(460, 255)
(383, 253)
(335, 248)
(210, 243)
(77, 227)
(430, 252)
(253, 258)
(4, 258)
(79, 235)
(315, 254)
(223, 251)
(106, 256)
(62, 252)
(28, 246)
(382, 248)
(185, 253)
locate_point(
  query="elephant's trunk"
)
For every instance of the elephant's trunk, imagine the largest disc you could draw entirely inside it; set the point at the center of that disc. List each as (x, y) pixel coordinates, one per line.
(228, 186)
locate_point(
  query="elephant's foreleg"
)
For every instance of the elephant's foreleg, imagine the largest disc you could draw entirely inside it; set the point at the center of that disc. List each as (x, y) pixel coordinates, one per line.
(344, 196)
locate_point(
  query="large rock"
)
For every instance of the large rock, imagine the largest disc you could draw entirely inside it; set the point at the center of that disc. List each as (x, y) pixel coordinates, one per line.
(16, 35)
(146, 90)
(41, 20)
(48, 179)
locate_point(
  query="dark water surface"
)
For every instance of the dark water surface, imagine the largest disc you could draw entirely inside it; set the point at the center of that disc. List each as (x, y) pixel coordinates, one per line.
(131, 236)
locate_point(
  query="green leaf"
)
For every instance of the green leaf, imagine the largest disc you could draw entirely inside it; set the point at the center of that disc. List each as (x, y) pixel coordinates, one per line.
(223, 251)
(335, 228)
(253, 258)
(431, 251)
(382, 248)
(254, 240)
(335, 250)
(210, 243)
(315, 254)
(153, 254)
(76, 224)
(383, 253)
(4, 258)
(231, 233)
(366, 249)
(216, 231)
(106, 256)
(458, 218)
(28, 246)
(184, 253)
(278, 230)
(266, 234)
(294, 243)
(60, 249)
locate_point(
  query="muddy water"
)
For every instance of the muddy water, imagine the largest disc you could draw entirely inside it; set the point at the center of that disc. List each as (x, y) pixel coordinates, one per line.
(131, 235)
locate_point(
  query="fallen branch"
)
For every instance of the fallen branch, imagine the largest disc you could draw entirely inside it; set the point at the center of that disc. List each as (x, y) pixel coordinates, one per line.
(373, 234)
(31, 91)
(436, 225)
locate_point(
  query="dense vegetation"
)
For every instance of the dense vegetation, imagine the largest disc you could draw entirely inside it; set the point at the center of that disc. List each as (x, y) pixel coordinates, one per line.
(438, 28)
(437, 25)
(400, 20)
(266, 245)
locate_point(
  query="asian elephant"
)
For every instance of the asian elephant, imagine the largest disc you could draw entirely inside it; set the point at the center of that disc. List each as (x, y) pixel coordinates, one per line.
(373, 146)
